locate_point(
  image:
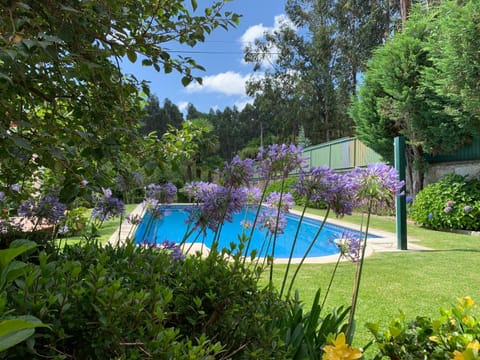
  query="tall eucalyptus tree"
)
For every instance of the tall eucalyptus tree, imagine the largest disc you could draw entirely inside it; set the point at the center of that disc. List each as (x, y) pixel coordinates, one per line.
(319, 54)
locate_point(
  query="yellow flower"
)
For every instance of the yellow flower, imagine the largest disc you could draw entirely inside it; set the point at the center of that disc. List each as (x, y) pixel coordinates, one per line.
(474, 345)
(340, 350)
(470, 353)
(465, 302)
(434, 339)
(458, 355)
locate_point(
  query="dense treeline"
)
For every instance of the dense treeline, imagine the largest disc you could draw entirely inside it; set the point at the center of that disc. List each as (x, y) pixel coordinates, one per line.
(374, 70)
(303, 92)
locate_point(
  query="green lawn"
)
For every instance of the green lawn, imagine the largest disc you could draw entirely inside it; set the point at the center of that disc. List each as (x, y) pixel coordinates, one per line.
(107, 229)
(415, 282)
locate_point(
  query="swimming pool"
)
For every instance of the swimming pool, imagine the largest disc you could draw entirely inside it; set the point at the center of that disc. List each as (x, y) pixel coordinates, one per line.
(171, 226)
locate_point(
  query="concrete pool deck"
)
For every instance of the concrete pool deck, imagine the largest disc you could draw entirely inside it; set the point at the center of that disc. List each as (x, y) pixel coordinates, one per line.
(385, 242)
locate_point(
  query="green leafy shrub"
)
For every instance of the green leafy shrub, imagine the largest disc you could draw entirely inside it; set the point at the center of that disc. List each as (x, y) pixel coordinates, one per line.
(276, 186)
(451, 203)
(130, 301)
(75, 221)
(14, 329)
(455, 335)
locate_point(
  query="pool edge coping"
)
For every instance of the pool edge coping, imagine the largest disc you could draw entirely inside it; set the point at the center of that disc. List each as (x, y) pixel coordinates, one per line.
(385, 242)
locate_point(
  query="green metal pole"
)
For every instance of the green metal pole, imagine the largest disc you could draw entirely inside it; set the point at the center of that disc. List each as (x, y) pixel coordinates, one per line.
(401, 203)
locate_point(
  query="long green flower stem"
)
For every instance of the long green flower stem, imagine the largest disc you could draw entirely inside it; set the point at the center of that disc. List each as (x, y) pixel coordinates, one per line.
(358, 276)
(292, 249)
(194, 241)
(331, 280)
(307, 252)
(249, 241)
(276, 230)
(188, 232)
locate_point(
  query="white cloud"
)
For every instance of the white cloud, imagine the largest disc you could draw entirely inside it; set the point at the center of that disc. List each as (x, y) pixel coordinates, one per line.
(258, 31)
(240, 105)
(182, 106)
(253, 33)
(228, 83)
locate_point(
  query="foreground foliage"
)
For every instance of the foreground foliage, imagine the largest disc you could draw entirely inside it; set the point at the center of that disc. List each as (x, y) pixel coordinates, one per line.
(60, 69)
(455, 335)
(136, 302)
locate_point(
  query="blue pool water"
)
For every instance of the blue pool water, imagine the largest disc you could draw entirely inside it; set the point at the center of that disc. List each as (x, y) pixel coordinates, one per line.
(172, 227)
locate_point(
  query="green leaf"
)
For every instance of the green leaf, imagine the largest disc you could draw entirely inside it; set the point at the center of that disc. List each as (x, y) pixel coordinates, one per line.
(186, 80)
(14, 270)
(11, 53)
(29, 43)
(22, 143)
(7, 255)
(194, 5)
(14, 331)
(3, 76)
(132, 55)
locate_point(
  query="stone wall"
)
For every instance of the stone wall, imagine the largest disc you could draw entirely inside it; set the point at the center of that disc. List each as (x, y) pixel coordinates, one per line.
(436, 171)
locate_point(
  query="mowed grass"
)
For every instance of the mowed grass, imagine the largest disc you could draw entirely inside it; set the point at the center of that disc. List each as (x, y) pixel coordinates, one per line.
(106, 230)
(417, 283)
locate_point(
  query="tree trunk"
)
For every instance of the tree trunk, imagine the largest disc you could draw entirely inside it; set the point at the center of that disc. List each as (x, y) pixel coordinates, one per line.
(415, 172)
(387, 20)
(189, 172)
(404, 10)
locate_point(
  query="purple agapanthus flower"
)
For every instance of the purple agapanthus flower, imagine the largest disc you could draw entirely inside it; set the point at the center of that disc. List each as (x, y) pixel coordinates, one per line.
(350, 245)
(47, 208)
(170, 246)
(236, 173)
(467, 208)
(15, 187)
(342, 196)
(430, 215)
(376, 184)
(197, 190)
(254, 196)
(63, 230)
(272, 220)
(164, 193)
(134, 219)
(321, 184)
(408, 199)
(447, 209)
(107, 193)
(315, 184)
(108, 207)
(283, 201)
(2, 196)
(279, 160)
(157, 195)
(215, 204)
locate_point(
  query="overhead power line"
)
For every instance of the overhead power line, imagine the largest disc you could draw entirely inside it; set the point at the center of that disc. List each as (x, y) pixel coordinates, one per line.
(219, 52)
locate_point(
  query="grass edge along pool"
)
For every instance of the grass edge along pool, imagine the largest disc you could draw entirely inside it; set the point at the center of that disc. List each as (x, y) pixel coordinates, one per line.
(171, 226)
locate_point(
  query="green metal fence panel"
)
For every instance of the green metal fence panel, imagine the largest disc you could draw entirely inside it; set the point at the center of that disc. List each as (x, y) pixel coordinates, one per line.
(469, 152)
(341, 154)
(364, 155)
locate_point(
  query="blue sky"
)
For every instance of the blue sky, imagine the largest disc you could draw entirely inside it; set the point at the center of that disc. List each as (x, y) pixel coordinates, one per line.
(222, 57)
